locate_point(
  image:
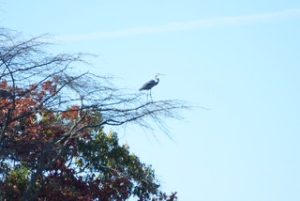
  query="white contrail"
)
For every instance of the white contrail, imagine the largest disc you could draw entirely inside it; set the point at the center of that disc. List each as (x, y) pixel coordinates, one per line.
(184, 25)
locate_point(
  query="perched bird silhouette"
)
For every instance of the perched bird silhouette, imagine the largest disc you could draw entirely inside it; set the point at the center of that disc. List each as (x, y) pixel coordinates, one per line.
(5, 94)
(150, 84)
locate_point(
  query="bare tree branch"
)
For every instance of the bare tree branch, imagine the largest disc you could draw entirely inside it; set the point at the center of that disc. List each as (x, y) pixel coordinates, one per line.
(40, 83)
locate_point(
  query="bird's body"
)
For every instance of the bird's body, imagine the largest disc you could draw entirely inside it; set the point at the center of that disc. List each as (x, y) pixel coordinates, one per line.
(150, 84)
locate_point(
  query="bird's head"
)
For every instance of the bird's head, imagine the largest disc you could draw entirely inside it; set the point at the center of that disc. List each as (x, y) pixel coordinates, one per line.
(157, 75)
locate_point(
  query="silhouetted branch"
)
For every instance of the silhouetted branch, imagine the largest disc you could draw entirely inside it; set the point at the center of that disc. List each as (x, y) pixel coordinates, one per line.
(34, 84)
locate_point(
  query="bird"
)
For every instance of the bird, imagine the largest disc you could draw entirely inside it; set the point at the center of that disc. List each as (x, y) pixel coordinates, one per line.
(150, 84)
(5, 94)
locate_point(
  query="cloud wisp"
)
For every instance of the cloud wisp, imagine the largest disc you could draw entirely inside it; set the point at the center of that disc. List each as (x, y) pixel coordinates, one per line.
(184, 26)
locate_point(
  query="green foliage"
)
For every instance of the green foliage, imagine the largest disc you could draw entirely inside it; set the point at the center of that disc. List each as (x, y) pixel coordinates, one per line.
(104, 155)
(16, 182)
(52, 143)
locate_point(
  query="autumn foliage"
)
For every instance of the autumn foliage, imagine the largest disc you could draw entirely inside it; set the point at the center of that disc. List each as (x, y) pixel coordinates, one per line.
(52, 143)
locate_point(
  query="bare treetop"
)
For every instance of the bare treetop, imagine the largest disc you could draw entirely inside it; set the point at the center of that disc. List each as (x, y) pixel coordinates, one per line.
(25, 67)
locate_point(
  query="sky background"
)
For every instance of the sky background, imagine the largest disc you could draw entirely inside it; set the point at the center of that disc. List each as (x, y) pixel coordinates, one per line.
(240, 59)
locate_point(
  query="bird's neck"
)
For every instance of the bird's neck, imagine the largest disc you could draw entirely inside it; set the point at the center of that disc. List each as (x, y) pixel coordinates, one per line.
(157, 80)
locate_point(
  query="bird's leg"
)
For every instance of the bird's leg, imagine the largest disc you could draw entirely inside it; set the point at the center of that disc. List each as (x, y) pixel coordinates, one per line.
(151, 96)
(147, 96)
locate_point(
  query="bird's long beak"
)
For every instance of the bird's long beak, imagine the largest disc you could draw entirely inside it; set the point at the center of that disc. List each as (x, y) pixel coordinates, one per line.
(159, 74)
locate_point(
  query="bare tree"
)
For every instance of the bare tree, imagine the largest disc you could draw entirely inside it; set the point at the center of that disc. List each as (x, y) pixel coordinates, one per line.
(47, 84)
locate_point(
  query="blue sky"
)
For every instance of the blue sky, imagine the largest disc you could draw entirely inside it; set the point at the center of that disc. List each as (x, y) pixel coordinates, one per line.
(241, 59)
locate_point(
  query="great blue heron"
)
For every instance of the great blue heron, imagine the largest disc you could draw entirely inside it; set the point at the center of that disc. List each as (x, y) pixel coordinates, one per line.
(150, 84)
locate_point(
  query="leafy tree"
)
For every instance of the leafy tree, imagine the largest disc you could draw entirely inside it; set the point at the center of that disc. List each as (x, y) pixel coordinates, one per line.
(52, 142)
